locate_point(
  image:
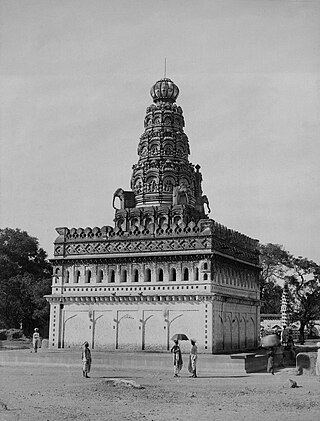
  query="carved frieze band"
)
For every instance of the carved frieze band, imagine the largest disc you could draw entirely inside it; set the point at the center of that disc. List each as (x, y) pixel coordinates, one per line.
(116, 247)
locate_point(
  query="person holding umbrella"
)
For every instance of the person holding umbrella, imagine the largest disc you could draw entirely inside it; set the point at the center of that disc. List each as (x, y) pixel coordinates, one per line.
(177, 358)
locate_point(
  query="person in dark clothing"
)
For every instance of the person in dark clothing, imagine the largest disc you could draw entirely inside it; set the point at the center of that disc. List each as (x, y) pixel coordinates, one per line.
(86, 360)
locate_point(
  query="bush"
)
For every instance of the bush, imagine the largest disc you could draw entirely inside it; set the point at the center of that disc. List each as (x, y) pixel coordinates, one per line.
(3, 334)
(14, 334)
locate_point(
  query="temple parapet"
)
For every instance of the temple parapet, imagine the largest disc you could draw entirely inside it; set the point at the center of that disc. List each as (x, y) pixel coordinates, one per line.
(206, 235)
(234, 237)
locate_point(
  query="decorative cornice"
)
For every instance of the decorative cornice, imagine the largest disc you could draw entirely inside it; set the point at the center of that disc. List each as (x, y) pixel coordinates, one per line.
(124, 298)
(143, 298)
(236, 300)
(129, 259)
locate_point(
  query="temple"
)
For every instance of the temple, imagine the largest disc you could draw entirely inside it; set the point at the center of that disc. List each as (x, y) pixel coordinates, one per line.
(164, 267)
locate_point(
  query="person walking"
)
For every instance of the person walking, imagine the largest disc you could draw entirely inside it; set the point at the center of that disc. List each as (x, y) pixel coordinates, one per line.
(193, 358)
(86, 360)
(36, 340)
(177, 358)
(270, 365)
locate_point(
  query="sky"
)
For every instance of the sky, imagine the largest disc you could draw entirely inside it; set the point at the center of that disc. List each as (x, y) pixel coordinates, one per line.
(75, 78)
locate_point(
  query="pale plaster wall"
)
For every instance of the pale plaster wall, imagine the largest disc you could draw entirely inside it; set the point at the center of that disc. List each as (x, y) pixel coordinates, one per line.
(147, 326)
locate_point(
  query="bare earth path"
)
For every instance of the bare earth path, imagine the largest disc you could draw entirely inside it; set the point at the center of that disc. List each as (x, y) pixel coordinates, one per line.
(41, 392)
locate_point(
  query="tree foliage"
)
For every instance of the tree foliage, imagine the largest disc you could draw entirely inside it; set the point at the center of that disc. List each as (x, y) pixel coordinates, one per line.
(274, 260)
(25, 277)
(302, 279)
(303, 285)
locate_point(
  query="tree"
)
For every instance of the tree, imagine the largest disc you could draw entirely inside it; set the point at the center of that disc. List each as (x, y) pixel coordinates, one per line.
(304, 292)
(25, 277)
(274, 260)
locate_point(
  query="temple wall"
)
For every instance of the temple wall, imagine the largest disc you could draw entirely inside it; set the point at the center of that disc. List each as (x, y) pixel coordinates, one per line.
(144, 308)
(218, 326)
(235, 326)
(132, 327)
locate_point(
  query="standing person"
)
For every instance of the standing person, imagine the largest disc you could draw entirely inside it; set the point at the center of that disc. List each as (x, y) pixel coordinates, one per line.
(86, 359)
(36, 340)
(193, 358)
(284, 336)
(270, 365)
(291, 347)
(177, 358)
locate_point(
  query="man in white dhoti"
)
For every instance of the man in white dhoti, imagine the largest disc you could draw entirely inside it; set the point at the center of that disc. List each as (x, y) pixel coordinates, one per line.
(193, 358)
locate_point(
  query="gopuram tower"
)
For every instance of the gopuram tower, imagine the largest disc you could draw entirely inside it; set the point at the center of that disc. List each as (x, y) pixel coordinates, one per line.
(164, 267)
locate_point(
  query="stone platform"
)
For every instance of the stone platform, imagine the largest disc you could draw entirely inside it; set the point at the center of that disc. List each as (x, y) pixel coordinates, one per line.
(224, 365)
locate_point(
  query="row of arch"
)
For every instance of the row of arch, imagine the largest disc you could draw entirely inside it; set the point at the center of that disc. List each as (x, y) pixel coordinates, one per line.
(165, 147)
(136, 276)
(240, 278)
(167, 120)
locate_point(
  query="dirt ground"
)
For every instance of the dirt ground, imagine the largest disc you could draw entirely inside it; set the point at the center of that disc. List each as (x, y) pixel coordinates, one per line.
(33, 392)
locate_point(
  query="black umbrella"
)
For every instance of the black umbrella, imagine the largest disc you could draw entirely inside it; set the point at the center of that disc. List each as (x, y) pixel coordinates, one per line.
(179, 337)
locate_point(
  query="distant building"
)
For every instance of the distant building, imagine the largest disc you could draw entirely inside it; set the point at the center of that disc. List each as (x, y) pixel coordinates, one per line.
(164, 267)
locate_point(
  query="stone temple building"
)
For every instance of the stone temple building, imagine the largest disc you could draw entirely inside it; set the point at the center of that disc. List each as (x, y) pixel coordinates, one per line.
(164, 267)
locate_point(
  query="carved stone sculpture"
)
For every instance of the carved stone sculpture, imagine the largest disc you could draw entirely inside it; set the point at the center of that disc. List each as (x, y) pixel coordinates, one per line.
(205, 200)
(120, 194)
(180, 195)
(127, 198)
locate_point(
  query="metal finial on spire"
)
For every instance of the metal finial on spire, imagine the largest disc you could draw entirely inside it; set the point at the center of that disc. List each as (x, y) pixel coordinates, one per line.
(165, 67)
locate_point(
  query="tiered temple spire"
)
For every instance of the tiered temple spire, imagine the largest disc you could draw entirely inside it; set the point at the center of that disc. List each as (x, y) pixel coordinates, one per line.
(163, 175)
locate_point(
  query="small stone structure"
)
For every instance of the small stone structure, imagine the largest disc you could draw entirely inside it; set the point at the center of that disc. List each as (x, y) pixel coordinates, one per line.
(308, 361)
(164, 267)
(45, 343)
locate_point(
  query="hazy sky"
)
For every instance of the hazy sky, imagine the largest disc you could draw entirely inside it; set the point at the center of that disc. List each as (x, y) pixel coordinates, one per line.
(75, 81)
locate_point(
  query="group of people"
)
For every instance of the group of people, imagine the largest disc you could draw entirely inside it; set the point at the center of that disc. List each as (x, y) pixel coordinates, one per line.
(286, 343)
(177, 358)
(175, 350)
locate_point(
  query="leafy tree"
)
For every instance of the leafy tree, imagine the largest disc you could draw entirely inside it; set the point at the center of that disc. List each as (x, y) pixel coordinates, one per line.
(304, 292)
(25, 277)
(271, 298)
(274, 260)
